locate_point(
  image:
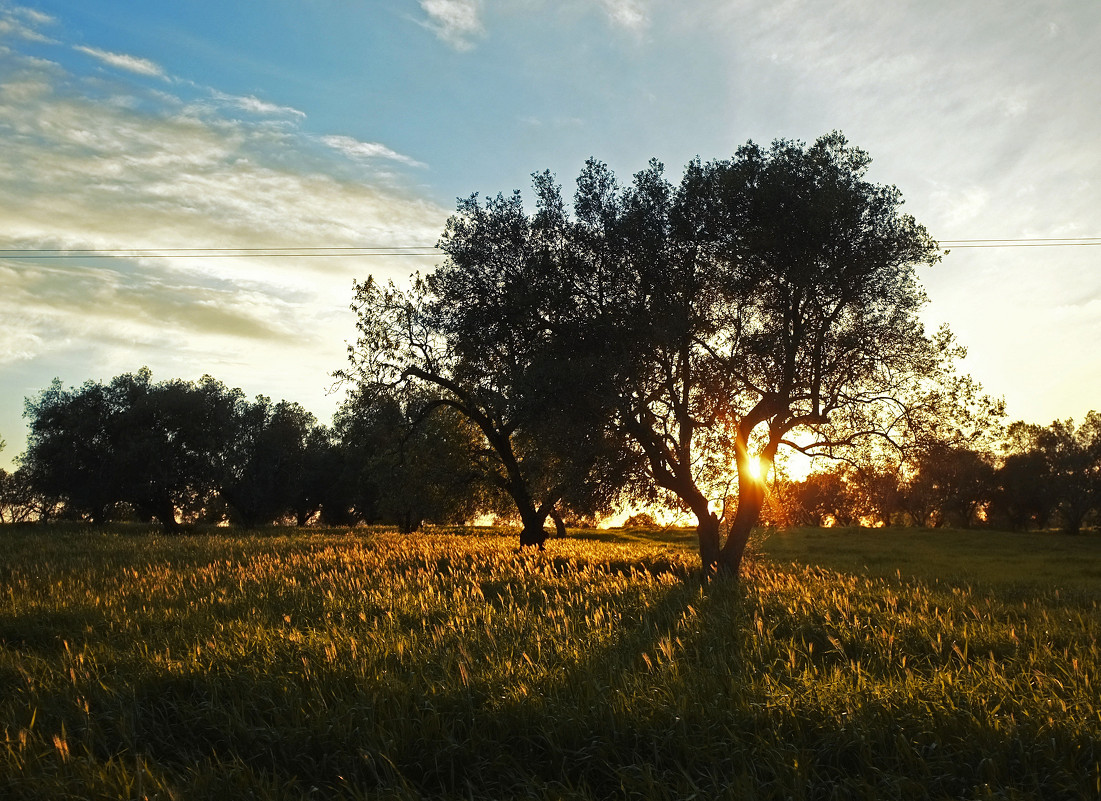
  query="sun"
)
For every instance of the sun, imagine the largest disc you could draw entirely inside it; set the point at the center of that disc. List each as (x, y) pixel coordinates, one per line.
(753, 466)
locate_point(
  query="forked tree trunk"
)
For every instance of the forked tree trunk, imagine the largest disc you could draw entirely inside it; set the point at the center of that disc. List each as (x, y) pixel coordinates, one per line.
(751, 499)
(533, 532)
(559, 523)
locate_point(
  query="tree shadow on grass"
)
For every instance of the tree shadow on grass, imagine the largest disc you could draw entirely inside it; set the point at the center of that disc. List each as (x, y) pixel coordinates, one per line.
(691, 694)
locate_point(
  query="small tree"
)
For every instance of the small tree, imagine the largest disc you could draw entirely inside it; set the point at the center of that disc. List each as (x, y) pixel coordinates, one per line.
(1073, 458)
(70, 448)
(1024, 494)
(824, 497)
(408, 462)
(951, 485)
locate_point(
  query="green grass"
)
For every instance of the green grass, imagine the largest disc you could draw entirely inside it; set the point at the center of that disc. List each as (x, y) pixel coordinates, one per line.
(370, 665)
(1039, 561)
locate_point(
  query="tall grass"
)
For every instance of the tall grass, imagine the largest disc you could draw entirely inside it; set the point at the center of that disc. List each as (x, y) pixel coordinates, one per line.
(371, 665)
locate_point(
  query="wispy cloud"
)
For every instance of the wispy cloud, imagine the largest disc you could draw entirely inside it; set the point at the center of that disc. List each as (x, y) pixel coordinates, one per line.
(81, 167)
(457, 22)
(22, 22)
(34, 16)
(255, 105)
(353, 148)
(630, 14)
(139, 66)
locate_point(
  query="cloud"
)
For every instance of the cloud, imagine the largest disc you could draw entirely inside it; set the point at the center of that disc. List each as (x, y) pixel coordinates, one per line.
(456, 22)
(353, 148)
(630, 14)
(21, 22)
(32, 15)
(255, 105)
(139, 66)
(87, 163)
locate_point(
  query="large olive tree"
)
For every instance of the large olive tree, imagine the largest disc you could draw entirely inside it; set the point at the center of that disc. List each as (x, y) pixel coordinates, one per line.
(769, 299)
(486, 334)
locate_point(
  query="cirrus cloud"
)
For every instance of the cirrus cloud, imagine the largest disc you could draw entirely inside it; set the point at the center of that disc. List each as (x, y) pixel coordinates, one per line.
(88, 163)
(139, 66)
(353, 148)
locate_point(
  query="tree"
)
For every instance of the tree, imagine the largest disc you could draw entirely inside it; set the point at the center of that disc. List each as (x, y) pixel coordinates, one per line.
(316, 488)
(266, 460)
(18, 502)
(71, 448)
(171, 443)
(1024, 492)
(1071, 456)
(824, 497)
(158, 447)
(406, 465)
(951, 485)
(769, 300)
(484, 335)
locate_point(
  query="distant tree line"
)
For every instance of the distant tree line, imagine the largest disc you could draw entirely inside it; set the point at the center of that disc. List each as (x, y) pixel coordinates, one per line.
(1038, 477)
(178, 452)
(181, 452)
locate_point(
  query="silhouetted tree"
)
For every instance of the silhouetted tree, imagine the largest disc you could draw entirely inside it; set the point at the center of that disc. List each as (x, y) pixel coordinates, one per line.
(16, 501)
(769, 299)
(171, 455)
(824, 497)
(408, 463)
(1025, 495)
(951, 486)
(71, 448)
(160, 448)
(266, 460)
(875, 486)
(1072, 455)
(317, 484)
(486, 334)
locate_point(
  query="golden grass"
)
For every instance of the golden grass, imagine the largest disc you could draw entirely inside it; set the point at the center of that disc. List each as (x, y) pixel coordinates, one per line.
(371, 665)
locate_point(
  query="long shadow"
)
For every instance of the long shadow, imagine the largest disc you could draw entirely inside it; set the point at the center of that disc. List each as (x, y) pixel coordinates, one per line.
(657, 711)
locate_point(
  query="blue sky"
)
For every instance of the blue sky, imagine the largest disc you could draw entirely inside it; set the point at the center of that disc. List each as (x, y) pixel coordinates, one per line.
(347, 123)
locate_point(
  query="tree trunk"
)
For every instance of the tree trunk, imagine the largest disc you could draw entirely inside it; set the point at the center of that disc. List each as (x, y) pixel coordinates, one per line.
(707, 531)
(533, 532)
(559, 523)
(751, 499)
(166, 513)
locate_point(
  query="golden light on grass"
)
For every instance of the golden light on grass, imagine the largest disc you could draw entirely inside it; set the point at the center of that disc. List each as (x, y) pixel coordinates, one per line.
(373, 664)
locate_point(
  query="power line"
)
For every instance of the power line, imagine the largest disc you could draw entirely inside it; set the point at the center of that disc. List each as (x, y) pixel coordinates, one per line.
(1076, 241)
(373, 251)
(1035, 239)
(217, 253)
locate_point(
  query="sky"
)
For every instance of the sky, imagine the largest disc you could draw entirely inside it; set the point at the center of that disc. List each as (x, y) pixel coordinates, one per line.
(137, 129)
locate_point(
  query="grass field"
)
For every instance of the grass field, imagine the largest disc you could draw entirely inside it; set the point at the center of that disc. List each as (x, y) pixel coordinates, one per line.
(329, 664)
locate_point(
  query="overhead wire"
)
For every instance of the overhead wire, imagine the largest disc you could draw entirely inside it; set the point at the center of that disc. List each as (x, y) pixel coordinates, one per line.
(217, 253)
(1039, 242)
(374, 251)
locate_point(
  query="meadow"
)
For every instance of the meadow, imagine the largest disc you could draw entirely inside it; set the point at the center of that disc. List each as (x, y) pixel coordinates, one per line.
(370, 665)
